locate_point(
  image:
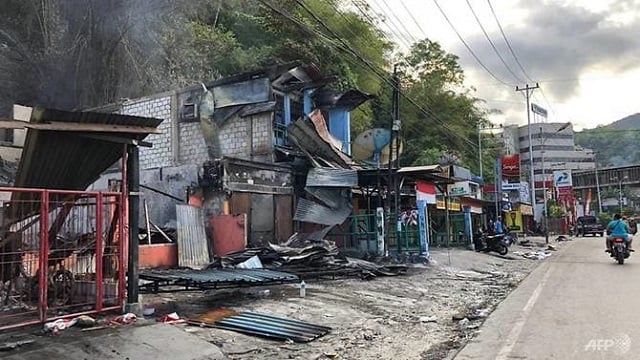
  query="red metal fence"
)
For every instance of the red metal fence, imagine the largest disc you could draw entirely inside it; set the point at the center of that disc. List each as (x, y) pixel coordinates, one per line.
(61, 254)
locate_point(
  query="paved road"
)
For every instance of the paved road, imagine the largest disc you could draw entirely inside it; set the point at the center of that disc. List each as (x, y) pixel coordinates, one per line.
(579, 304)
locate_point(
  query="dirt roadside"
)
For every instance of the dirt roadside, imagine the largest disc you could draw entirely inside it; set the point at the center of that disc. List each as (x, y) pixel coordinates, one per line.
(427, 314)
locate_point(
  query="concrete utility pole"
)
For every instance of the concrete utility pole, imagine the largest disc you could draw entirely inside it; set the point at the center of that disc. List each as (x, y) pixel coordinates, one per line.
(528, 90)
(394, 128)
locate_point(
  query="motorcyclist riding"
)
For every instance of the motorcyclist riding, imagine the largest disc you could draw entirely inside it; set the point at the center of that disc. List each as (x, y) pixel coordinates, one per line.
(618, 228)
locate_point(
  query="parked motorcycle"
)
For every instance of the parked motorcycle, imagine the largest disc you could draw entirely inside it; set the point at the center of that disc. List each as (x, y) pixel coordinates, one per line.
(496, 242)
(619, 249)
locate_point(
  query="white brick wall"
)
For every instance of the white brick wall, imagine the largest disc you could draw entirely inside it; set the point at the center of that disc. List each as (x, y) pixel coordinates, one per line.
(235, 137)
(262, 134)
(160, 154)
(193, 149)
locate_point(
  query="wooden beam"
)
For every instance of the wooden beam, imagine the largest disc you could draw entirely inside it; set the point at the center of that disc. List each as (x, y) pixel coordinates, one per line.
(82, 127)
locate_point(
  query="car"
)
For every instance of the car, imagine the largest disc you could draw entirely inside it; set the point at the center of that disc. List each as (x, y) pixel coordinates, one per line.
(589, 225)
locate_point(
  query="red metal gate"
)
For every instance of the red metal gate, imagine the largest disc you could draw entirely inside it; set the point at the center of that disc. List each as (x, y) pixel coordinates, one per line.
(61, 254)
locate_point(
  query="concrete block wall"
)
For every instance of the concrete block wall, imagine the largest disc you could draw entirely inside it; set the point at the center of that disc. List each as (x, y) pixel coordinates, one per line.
(193, 149)
(235, 137)
(262, 130)
(160, 155)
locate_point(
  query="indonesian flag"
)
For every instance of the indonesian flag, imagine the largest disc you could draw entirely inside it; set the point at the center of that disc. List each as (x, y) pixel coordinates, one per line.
(425, 192)
(587, 203)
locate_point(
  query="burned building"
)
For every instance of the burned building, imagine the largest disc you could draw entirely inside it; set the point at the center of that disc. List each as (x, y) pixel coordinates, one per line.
(227, 145)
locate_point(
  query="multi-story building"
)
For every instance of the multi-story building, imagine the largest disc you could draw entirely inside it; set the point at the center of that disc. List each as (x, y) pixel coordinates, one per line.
(558, 145)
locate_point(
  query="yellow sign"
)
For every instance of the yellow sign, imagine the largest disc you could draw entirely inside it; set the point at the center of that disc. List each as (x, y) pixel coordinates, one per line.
(454, 204)
(513, 221)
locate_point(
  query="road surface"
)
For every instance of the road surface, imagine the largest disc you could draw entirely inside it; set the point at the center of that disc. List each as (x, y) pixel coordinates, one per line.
(579, 304)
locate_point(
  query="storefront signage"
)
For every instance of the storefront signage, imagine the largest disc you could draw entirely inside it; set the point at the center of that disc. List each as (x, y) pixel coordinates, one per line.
(460, 188)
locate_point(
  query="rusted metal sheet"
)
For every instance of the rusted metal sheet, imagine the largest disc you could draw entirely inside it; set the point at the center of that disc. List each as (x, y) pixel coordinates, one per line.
(314, 138)
(228, 233)
(241, 203)
(193, 251)
(328, 177)
(284, 214)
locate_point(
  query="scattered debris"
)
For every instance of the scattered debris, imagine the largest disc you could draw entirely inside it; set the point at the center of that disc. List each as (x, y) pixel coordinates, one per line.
(59, 325)
(307, 258)
(428, 319)
(551, 248)
(148, 310)
(124, 319)
(562, 238)
(533, 255)
(463, 324)
(15, 344)
(172, 318)
(252, 263)
(85, 321)
(260, 325)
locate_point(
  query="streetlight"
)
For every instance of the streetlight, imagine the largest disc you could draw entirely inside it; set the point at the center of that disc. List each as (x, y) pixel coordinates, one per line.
(544, 181)
(620, 190)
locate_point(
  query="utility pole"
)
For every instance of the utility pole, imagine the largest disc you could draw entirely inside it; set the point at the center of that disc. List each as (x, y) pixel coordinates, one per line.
(528, 90)
(392, 222)
(480, 148)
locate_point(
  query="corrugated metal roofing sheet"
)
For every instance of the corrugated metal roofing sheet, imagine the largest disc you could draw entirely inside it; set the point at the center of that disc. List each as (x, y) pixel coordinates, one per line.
(67, 160)
(328, 177)
(212, 276)
(193, 249)
(263, 325)
(308, 211)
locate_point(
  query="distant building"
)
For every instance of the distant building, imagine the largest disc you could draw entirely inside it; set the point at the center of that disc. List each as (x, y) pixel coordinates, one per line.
(560, 151)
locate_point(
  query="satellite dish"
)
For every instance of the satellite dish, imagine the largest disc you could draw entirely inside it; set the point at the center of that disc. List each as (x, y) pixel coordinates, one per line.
(372, 147)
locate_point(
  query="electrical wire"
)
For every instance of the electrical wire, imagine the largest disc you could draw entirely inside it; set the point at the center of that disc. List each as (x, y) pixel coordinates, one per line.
(506, 40)
(493, 46)
(468, 47)
(345, 47)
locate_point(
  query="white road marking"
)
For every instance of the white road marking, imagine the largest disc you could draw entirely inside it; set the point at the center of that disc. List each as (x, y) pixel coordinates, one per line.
(514, 334)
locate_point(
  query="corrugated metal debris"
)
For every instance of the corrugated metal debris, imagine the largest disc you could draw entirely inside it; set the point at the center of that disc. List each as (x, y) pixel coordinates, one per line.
(309, 211)
(193, 251)
(258, 324)
(328, 177)
(309, 259)
(185, 279)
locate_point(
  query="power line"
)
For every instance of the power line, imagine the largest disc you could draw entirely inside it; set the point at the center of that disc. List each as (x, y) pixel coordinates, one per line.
(398, 19)
(348, 49)
(414, 19)
(508, 42)
(493, 46)
(468, 47)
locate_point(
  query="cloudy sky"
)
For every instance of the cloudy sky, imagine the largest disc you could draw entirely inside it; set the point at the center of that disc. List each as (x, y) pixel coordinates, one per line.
(585, 54)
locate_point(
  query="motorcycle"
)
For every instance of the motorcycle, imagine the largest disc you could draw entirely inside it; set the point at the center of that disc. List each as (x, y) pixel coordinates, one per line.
(619, 249)
(496, 242)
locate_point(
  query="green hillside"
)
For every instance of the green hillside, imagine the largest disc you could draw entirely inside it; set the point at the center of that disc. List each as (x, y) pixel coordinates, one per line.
(616, 144)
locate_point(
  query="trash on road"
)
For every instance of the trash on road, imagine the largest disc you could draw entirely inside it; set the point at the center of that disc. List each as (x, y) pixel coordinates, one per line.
(59, 325)
(124, 319)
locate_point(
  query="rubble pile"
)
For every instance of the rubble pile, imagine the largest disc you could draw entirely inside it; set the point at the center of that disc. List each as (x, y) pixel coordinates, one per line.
(302, 256)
